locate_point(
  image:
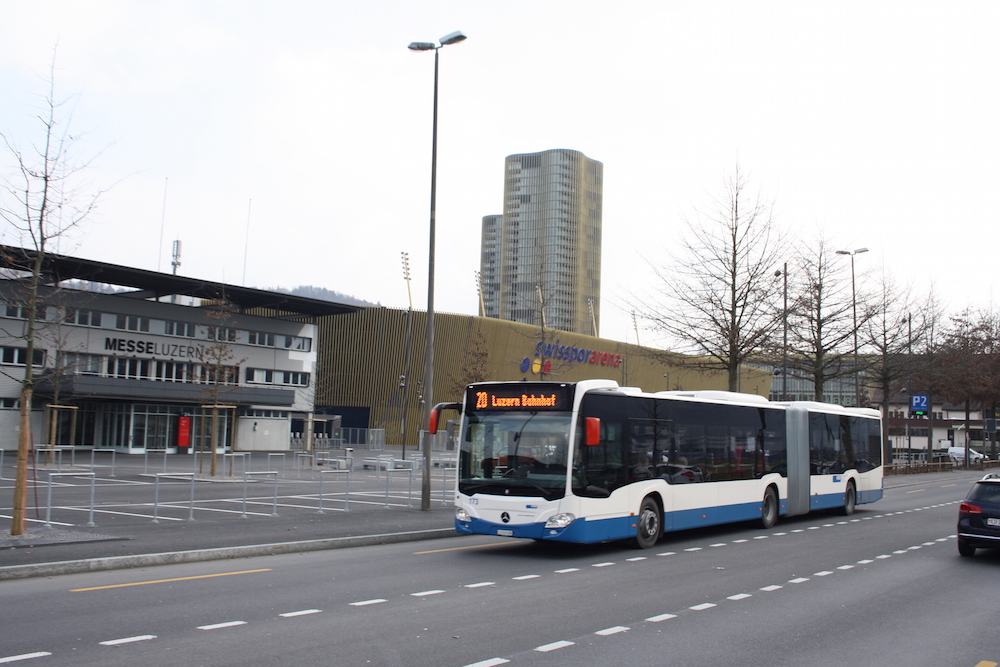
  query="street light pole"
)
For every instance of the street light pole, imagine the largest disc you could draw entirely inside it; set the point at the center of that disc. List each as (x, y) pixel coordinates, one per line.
(428, 390)
(854, 308)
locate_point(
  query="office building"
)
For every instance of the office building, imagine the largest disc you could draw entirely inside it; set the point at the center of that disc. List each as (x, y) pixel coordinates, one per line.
(541, 260)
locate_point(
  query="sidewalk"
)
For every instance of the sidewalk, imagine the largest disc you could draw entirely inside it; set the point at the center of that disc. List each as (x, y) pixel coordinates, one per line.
(227, 525)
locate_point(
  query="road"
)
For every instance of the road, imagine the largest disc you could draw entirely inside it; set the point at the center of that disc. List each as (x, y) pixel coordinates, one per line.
(884, 586)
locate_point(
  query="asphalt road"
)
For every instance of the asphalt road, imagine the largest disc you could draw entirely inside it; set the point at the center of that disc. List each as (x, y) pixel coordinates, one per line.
(885, 586)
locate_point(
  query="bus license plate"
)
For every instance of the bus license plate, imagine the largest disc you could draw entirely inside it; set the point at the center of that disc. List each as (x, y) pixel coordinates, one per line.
(505, 533)
(993, 522)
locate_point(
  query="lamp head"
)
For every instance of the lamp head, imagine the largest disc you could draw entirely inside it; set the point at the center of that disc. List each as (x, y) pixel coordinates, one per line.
(421, 46)
(453, 38)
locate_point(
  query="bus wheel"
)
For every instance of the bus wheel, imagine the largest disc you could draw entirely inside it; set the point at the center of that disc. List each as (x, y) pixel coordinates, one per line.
(649, 526)
(769, 508)
(850, 500)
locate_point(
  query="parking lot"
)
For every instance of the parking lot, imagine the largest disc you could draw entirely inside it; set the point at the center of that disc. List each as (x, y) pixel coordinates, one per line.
(88, 504)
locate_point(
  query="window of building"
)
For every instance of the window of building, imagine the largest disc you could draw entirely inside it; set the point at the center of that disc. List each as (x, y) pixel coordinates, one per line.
(18, 356)
(129, 368)
(18, 310)
(83, 317)
(81, 364)
(174, 371)
(222, 334)
(267, 414)
(185, 329)
(132, 323)
(266, 376)
(260, 338)
(298, 343)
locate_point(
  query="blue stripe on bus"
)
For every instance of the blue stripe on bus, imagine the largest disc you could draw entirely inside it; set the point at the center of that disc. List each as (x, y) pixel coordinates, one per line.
(618, 528)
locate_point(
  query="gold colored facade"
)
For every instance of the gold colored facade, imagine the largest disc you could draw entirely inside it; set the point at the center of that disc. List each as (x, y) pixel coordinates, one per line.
(361, 361)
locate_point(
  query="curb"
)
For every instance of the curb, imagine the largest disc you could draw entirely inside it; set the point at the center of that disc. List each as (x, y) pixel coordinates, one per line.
(198, 555)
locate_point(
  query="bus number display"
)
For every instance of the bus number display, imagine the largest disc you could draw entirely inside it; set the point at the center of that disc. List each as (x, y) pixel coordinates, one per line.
(519, 397)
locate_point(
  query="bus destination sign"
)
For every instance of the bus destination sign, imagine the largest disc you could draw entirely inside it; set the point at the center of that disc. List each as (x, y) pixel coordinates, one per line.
(521, 396)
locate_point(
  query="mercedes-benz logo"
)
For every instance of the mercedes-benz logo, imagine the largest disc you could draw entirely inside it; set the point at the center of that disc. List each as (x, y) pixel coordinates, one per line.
(505, 517)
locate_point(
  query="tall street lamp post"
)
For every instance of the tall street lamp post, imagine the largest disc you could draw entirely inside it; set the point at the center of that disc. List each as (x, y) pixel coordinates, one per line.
(783, 273)
(854, 308)
(453, 38)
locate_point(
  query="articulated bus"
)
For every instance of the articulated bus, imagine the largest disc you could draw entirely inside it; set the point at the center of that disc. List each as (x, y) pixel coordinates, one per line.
(591, 461)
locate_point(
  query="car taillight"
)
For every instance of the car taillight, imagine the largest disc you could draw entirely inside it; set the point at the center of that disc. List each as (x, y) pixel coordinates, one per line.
(688, 474)
(969, 508)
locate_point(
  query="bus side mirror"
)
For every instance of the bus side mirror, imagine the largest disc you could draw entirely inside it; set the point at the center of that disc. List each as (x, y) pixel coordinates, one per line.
(593, 431)
(432, 421)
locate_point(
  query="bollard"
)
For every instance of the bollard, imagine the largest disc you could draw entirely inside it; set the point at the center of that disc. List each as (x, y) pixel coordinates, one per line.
(282, 455)
(332, 472)
(92, 466)
(48, 509)
(156, 493)
(444, 487)
(246, 475)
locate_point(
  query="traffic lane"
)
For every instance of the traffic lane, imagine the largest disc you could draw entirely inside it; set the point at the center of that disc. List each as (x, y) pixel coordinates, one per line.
(929, 611)
(541, 595)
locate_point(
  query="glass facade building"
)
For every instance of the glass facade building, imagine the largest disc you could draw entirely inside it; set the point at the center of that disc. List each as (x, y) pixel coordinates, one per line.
(541, 260)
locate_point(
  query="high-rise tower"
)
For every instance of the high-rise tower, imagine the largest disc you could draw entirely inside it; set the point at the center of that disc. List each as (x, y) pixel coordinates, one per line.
(541, 260)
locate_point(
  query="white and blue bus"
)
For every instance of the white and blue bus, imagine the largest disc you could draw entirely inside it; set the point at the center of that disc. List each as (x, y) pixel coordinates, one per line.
(593, 462)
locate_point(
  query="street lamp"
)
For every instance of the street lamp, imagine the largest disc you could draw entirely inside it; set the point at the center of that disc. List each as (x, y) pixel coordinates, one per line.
(452, 38)
(783, 272)
(854, 308)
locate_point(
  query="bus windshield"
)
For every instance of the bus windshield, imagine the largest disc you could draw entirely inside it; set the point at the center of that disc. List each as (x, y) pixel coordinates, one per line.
(520, 453)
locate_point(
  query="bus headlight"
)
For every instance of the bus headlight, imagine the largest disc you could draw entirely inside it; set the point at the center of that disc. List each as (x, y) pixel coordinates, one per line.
(462, 515)
(560, 521)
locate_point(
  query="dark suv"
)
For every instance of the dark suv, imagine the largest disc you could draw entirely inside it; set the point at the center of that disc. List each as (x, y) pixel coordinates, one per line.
(979, 516)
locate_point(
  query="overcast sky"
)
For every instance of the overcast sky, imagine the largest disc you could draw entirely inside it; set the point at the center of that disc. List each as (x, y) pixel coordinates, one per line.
(288, 143)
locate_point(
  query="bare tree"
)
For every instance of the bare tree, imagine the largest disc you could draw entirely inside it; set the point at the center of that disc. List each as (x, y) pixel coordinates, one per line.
(41, 200)
(219, 370)
(888, 335)
(716, 299)
(821, 326)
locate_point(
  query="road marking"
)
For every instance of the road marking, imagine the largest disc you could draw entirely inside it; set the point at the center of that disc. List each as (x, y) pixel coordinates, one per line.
(567, 570)
(304, 612)
(703, 606)
(611, 631)
(24, 656)
(661, 617)
(770, 588)
(437, 591)
(668, 553)
(915, 491)
(798, 580)
(475, 546)
(824, 573)
(219, 626)
(637, 558)
(553, 646)
(364, 603)
(986, 663)
(481, 584)
(739, 596)
(166, 581)
(525, 577)
(492, 662)
(127, 640)
(602, 564)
